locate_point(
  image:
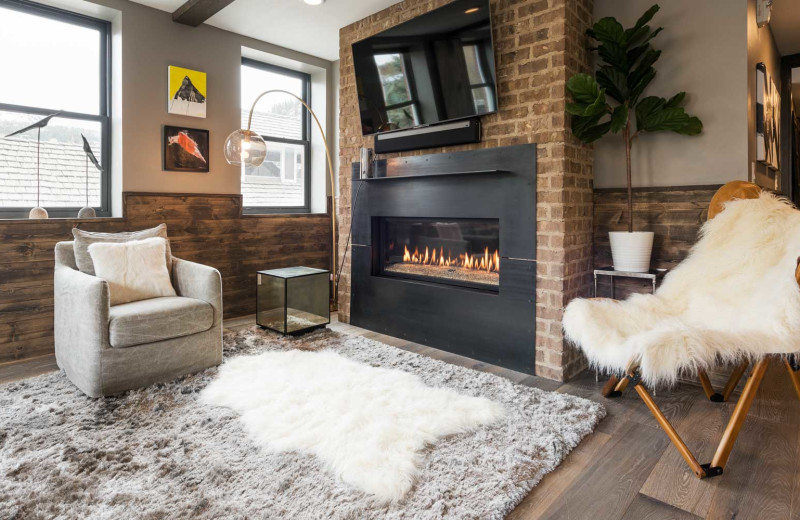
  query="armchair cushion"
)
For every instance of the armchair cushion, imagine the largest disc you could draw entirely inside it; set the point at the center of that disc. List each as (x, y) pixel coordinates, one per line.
(83, 239)
(157, 319)
(134, 270)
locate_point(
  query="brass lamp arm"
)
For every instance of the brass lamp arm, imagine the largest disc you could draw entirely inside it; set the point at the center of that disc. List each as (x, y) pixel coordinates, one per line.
(334, 253)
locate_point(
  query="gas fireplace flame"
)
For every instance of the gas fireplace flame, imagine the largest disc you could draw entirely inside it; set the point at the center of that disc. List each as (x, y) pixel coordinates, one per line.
(489, 262)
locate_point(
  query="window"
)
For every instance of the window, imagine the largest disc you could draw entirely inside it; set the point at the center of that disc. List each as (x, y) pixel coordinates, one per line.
(481, 87)
(53, 60)
(280, 184)
(401, 107)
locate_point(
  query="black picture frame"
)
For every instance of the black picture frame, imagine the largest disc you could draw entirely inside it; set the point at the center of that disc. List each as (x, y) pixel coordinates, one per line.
(180, 155)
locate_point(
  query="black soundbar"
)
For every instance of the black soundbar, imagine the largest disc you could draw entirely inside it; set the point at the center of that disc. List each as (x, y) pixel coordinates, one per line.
(445, 134)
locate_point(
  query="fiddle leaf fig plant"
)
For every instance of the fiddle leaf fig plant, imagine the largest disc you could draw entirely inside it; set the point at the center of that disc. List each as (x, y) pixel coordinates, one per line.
(626, 70)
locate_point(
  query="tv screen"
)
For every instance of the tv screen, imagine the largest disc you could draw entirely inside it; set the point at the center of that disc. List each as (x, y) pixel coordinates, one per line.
(434, 68)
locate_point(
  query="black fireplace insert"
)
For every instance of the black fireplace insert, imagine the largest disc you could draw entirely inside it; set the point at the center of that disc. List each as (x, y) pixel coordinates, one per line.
(453, 251)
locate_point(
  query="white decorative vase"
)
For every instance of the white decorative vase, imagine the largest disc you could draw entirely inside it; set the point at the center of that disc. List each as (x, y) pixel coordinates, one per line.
(631, 251)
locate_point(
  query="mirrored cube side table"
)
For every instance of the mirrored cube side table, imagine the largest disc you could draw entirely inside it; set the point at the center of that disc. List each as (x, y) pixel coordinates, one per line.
(293, 300)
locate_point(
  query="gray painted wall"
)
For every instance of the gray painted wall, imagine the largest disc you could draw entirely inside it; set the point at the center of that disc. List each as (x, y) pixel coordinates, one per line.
(704, 48)
(145, 42)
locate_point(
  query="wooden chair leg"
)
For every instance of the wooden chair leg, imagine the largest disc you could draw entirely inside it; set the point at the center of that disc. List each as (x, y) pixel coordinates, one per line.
(670, 431)
(707, 388)
(609, 388)
(733, 381)
(793, 364)
(738, 418)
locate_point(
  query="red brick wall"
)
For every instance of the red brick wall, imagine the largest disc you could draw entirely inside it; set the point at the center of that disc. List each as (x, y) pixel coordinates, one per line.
(538, 45)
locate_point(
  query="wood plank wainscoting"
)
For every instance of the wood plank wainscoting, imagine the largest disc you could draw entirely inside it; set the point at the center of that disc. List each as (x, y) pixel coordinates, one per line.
(205, 228)
(675, 214)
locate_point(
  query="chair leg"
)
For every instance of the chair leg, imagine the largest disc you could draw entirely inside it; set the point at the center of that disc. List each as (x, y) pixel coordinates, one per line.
(707, 388)
(733, 381)
(738, 418)
(609, 389)
(670, 431)
(793, 364)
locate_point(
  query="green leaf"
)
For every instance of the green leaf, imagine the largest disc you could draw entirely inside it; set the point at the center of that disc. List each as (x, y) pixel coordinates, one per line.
(654, 114)
(692, 127)
(607, 29)
(639, 88)
(598, 107)
(583, 88)
(645, 107)
(615, 55)
(643, 68)
(646, 17)
(633, 37)
(587, 131)
(676, 100)
(619, 118)
(614, 82)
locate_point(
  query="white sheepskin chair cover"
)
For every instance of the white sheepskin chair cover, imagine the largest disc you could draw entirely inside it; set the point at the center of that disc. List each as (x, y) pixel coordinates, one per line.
(734, 297)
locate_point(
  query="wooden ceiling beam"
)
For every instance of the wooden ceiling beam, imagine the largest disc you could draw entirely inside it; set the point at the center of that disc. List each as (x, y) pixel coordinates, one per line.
(195, 12)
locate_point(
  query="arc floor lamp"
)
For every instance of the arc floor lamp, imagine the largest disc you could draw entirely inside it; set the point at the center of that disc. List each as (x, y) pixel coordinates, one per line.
(246, 147)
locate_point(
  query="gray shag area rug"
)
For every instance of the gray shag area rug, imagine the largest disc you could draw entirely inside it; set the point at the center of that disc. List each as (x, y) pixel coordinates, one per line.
(157, 453)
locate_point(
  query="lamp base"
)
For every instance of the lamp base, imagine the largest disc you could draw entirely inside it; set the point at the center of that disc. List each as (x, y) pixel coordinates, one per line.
(38, 213)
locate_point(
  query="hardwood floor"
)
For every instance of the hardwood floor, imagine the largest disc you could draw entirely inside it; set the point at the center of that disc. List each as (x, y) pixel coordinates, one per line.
(627, 469)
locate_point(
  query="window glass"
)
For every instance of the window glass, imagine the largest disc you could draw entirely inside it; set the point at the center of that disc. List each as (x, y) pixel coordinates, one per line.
(280, 183)
(54, 64)
(52, 61)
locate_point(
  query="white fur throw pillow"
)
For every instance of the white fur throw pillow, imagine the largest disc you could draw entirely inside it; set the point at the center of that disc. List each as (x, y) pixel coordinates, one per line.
(135, 270)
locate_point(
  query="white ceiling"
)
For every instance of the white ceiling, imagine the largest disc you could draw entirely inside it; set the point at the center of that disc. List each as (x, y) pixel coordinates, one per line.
(289, 23)
(785, 24)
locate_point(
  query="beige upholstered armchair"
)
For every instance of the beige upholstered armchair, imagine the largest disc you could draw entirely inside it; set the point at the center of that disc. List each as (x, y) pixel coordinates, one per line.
(107, 349)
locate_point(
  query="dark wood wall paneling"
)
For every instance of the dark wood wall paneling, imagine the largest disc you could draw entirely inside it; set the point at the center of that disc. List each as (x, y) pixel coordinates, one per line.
(209, 229)
(675, 214)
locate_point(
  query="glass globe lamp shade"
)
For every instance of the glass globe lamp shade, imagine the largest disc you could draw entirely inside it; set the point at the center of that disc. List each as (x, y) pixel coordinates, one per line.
(245, 147)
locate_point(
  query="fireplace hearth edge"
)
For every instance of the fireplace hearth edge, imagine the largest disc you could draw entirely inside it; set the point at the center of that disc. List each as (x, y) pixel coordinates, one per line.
(495, 326)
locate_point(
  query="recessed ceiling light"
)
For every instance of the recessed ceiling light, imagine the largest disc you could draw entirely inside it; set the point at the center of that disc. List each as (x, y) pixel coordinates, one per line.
(468, 11)
(314, 2)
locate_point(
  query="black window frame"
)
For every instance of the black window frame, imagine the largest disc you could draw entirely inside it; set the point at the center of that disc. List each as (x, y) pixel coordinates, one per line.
(305, 141)
(104, 116)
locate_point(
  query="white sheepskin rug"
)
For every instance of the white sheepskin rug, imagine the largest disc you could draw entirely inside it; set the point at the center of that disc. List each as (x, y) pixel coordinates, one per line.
(368, 424)
(734, 297)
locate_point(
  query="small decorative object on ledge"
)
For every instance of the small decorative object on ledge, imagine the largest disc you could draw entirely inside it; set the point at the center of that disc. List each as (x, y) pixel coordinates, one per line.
(625, 80)
(38, 212)
(293, 299)
(87, 211)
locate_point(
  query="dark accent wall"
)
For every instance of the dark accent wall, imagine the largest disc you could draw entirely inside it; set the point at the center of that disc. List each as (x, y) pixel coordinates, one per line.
(209, 229)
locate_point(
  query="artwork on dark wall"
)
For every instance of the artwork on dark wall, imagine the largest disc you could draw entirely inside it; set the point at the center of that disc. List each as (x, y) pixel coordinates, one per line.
(185, 149)
(768, 119)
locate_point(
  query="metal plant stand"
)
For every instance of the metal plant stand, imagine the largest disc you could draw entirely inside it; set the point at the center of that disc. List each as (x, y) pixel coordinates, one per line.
(654, 275)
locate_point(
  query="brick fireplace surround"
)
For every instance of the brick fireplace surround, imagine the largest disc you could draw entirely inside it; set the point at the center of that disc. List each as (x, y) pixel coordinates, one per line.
(538, 45)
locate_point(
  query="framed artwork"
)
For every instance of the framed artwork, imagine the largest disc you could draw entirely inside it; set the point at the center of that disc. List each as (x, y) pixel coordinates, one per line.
(768, 119)
(187, 92)
(185, 149)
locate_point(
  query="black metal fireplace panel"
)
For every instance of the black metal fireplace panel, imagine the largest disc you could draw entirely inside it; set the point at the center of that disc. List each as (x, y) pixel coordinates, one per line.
(496, 323)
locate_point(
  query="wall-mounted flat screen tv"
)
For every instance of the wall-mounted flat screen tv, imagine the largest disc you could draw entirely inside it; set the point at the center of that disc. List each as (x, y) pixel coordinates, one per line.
(434, 68)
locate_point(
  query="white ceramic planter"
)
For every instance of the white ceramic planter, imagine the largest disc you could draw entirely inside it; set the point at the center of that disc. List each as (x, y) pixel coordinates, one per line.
(631, 251)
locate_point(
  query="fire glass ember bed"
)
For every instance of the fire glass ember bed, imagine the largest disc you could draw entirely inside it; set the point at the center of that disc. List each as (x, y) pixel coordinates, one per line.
(454, 251)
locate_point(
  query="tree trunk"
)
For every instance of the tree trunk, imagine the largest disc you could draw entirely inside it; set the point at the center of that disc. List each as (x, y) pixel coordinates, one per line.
(626, 134)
